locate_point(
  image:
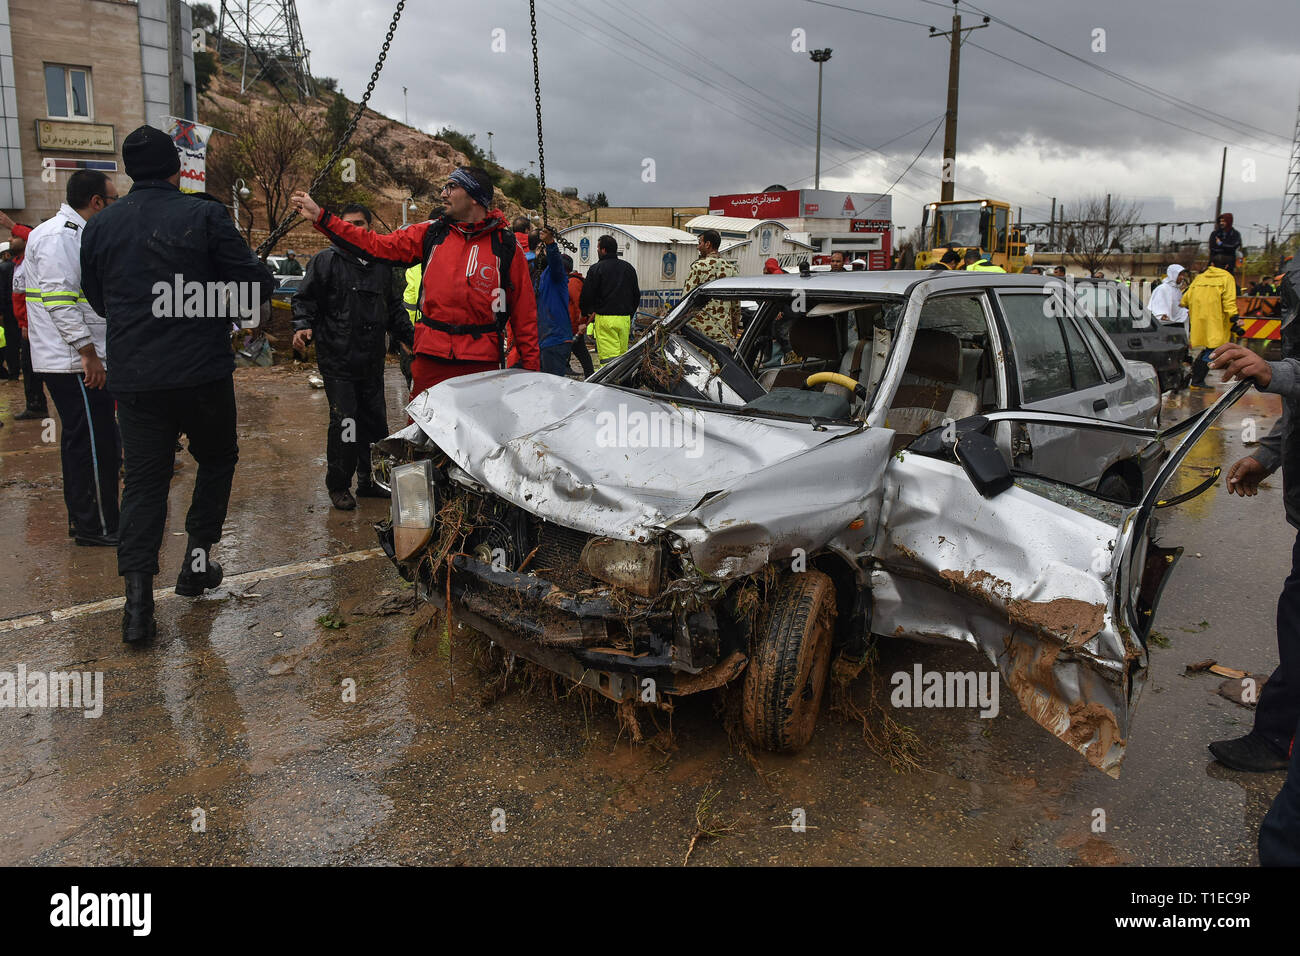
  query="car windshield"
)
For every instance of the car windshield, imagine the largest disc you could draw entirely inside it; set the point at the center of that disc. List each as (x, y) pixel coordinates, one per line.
(784, 339)
(958, 224)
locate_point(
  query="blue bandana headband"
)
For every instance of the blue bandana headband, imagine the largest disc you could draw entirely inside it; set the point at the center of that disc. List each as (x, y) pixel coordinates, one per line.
(471, 185)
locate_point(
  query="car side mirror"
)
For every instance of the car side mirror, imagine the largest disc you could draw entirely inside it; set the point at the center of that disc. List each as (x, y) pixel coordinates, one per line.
(983, 463)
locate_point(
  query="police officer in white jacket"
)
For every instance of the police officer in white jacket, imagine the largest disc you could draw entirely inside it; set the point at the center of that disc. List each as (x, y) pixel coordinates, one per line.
(68, 349)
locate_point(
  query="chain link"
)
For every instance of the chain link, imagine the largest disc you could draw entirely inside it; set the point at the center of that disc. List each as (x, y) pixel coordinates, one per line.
(537, 99)
(291, 220)
(541, 143)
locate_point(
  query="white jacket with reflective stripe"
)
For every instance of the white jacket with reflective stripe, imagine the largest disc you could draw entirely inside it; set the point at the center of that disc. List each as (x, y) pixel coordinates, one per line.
(59, 319)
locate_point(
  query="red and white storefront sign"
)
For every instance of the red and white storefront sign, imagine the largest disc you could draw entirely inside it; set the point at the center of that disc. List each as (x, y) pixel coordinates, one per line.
(756, 205)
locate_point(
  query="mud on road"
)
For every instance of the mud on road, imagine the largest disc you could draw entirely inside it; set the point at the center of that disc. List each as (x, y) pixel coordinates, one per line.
(240, 717)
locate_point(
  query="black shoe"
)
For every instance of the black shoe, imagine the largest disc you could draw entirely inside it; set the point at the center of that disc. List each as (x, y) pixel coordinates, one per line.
(343, 500)
(138, 624)
(86, 539)
(1250, 754)
(372, 490)
(191, 584)
(30, 414)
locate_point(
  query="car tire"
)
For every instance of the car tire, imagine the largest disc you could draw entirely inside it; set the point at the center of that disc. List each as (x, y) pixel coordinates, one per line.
(789, 662)
(1114, 486)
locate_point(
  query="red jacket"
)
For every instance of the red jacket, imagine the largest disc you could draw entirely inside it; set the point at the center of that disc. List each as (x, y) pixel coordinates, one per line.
(20, 295)
(459, 285)
(575, 293)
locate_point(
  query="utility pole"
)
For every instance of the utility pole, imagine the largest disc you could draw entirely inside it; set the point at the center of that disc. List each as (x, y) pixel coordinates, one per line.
(406, 109)
(819, 57)
(1106, 233)
(1218, 206)
(1051, 230)
(950, 122)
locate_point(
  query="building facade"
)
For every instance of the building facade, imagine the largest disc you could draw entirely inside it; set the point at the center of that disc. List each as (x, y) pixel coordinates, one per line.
(76, 76)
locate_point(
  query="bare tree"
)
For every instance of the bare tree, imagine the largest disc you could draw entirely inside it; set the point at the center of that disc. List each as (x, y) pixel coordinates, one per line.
(272, 148)
(1096, 225)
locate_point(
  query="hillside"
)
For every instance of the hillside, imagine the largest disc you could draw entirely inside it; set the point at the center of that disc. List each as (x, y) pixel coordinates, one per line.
(276, 144)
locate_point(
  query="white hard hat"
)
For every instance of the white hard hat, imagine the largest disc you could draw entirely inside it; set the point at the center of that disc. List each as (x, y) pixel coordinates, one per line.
(4, 247)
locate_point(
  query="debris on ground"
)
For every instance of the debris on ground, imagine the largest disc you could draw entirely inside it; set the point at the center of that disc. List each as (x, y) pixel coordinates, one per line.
(387, 602)
(708, 825)
(1244, 690)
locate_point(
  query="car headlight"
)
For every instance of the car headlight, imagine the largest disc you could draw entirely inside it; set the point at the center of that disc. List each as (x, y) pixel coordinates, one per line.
(413, 507)
(624, 564)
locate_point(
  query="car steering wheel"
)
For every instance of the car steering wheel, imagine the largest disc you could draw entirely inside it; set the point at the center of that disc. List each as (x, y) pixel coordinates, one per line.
(835, 378)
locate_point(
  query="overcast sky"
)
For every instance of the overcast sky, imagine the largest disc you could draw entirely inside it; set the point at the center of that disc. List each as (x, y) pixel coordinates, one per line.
(714, 93)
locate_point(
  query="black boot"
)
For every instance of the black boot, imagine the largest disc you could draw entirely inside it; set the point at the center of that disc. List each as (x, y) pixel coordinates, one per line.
(137, 617)
(192, 583)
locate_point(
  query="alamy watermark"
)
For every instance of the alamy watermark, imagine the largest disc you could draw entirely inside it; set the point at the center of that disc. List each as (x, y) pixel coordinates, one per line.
(76, 690)
(238, 301)
(922, 688)
(632, 428)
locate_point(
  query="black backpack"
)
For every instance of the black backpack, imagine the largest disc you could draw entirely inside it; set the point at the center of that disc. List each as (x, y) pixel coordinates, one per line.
(504, 245)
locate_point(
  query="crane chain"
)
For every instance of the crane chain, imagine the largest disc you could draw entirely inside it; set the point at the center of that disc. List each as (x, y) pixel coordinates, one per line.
(290, 220)
(541, 145)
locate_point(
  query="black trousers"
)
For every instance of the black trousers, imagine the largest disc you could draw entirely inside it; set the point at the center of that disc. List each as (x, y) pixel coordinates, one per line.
(13, 346)
(1201, 366)
(33, 390)
(1279, 834)
(1278, 709)
(358, 419)
(89, 448)
(582, 355)
(151, 422)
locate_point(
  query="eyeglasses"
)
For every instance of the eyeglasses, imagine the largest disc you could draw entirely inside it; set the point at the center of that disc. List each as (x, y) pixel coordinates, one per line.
(448, 187)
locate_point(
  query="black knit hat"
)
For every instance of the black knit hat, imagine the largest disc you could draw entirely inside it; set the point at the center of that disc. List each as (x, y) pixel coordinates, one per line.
(149, 153)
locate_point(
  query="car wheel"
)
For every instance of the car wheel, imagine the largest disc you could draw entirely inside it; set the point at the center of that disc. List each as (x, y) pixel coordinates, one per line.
(1114, 486)
(789, 662)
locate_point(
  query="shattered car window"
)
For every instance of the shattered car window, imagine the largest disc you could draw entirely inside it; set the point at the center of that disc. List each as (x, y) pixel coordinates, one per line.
(786, 338)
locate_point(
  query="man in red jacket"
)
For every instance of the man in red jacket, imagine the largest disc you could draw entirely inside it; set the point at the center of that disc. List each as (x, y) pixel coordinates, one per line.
(467, 298)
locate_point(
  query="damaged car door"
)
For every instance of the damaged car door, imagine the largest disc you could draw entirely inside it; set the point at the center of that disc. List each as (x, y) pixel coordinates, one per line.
(1053, 583)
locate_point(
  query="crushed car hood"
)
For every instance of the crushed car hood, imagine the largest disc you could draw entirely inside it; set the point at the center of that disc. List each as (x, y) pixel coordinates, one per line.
(739, 490)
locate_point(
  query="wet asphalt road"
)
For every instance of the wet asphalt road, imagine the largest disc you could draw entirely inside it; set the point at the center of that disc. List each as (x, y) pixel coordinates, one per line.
(231, 741)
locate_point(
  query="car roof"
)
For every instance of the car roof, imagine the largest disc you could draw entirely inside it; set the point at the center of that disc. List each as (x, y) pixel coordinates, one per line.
(883, 282)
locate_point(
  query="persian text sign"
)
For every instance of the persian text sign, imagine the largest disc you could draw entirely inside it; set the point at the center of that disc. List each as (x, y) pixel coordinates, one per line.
(756, 205)
(76, 137)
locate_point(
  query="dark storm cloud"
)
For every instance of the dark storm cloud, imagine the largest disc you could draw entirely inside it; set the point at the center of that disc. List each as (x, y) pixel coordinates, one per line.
(715, 95)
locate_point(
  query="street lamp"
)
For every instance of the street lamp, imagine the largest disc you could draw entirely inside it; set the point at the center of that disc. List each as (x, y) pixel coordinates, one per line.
(237, 192)
(819, 57)
(408, 204)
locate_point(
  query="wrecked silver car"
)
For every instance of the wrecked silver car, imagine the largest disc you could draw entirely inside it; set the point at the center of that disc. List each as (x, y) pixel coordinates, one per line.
(948, 457)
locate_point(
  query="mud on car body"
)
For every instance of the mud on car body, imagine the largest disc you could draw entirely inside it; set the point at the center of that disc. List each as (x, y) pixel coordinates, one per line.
(879, 456)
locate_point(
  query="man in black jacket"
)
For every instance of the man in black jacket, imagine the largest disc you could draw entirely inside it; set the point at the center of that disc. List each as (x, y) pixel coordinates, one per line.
(610, 295)
(345, 305)
(170, 274)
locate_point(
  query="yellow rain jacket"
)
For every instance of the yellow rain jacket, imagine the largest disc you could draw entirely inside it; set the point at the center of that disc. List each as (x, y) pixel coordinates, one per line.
(412, 295)
(1211, 300)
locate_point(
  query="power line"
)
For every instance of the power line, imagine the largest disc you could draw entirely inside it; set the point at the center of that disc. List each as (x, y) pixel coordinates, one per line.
(634, 56)
(759, 109)
(770, 102)
(1131, 109)
(933, 133)
(1229, 122)
(869, 13)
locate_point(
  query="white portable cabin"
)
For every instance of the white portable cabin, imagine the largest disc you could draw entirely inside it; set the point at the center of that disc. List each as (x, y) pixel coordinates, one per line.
(751, 242)
(661, 256)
